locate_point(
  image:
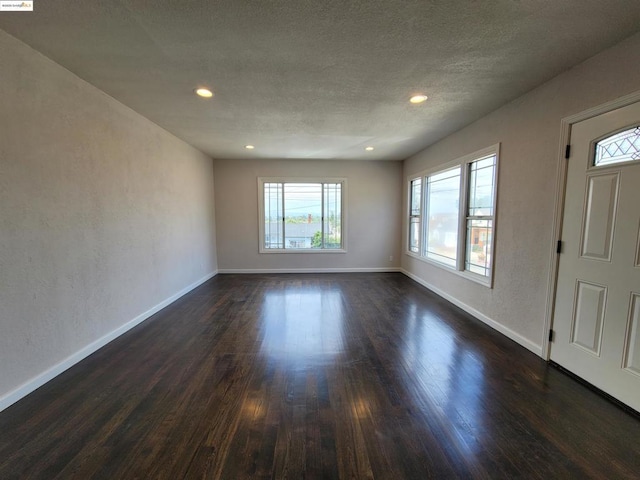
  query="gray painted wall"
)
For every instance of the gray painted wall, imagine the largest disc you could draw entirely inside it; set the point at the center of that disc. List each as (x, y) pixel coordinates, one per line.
(103, 216)
(529, 131)
(374, 191)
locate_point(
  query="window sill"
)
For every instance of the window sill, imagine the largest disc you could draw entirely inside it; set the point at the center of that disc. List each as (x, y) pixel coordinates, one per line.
(474, 277)
(302, 250)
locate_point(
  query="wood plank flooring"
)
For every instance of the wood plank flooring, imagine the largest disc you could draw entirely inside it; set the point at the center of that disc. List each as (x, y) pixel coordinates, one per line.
(350, 376)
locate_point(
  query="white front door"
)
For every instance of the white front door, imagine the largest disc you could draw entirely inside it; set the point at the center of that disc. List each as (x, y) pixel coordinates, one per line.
(597, 309)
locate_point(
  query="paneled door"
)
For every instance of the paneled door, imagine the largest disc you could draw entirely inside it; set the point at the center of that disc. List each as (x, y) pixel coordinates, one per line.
(597, 310)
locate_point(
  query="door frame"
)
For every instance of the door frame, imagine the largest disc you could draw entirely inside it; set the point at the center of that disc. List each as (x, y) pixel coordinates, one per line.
(561, 185)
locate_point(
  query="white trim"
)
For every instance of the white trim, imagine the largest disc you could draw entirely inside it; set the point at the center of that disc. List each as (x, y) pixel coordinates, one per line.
(312, 251)
(603, 108)
(36, 382)
(554, 257)
(311, 270)
(506, 331)
(468, 158)
(463, 163)
(561, 176)
(474, 277)
(319, 180)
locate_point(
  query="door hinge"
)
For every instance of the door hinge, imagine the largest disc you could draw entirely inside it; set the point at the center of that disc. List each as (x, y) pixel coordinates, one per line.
(559, 246)
(551, 335)
(567, 151)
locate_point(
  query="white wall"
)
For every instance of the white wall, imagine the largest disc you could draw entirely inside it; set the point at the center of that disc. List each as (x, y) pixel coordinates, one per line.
(374, 206)
(529, 131)
(103, 216)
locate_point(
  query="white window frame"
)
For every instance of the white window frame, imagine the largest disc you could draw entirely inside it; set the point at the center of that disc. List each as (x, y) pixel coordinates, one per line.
(319, 180)
(418, 215)
(425, 211)
(463, 215)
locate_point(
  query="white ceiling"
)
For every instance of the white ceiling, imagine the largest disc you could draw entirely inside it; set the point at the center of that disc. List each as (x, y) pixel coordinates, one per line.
(319, 78)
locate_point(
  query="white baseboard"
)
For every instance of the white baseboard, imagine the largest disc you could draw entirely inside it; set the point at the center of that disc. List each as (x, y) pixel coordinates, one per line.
(506, 331)
(309, 270)
(36, 382)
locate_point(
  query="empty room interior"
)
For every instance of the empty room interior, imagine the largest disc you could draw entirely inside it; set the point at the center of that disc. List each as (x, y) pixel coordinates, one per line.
(331, 239)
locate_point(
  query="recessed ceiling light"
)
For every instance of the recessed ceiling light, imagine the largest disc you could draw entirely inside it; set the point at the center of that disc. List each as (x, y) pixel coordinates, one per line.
(249, 147)
(368, 149)
(418, 98)
(204, 92)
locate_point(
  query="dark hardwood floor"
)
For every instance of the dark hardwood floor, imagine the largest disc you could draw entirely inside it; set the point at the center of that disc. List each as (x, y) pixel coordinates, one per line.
(315, 376)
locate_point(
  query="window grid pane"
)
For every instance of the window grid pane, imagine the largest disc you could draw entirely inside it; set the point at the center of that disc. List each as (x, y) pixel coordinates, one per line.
(273, 216)
(443, 199)
(303, 213)
(415, 207)
(416, 195)
(479, 234)
(332, 224)
(481, 187)
(479, 246)
(414, 234)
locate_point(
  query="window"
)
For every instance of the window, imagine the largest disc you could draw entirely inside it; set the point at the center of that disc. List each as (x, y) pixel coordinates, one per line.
(452, 220)
(479, 221)
(301, 215)
(442, 205)
(414, 214)
(621, 147)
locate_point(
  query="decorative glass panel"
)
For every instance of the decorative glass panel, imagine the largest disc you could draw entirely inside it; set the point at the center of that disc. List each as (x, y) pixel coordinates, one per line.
(443, 201)
(618, 148)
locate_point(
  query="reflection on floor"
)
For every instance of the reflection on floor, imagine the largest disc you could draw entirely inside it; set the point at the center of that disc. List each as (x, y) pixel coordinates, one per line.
(315, 376)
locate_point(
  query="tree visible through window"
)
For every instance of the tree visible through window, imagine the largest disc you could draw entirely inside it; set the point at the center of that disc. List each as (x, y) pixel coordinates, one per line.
(301, 215)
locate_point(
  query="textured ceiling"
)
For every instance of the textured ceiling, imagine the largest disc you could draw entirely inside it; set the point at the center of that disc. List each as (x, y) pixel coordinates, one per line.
(319, 78)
